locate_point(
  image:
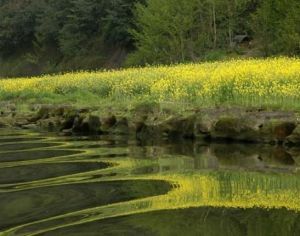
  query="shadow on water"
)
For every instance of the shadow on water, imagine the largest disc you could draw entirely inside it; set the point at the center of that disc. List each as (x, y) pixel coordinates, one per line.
(18, 139)
(32, 205)
(114, 186)
(193, 221)
(35, 155)
(28, 173)
(25, 146)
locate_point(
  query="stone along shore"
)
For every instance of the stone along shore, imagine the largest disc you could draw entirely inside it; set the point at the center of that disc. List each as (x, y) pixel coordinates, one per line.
(151, 122)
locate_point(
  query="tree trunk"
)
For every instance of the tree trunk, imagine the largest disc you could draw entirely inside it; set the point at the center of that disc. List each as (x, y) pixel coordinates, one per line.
(214, 24)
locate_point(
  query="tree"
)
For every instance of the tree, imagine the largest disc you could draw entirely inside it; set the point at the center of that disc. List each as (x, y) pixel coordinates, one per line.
(181, 30)
(276, 26)
(16, 26)
(118, 21)
(82, 22)
(168, 31)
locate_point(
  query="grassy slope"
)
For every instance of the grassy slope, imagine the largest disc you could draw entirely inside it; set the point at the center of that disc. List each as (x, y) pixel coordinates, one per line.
(271, 83)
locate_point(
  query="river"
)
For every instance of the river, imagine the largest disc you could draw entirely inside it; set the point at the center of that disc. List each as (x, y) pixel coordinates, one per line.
(112, 185)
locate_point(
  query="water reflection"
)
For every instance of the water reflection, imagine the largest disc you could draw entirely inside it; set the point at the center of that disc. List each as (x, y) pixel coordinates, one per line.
(193, 221)
(19, 174)
(27, 206)
(25, 146)
(77, 186)
(33, 155)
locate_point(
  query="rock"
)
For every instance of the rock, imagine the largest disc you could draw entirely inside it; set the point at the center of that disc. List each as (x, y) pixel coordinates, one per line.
(234, 128)
(62, 116)
(145, 131)
(93, 124)
(68, 118)
(44, 112)
(87, 124)
(203, 127)
(11, 107)
(21, 120)
(61, 110)
(254, 127)
(77, 123)
(283, 129)
(276, 131)
(67, 123)
(108, 122)
(179, 127)
(7, 108)
(147, 121)
(294, 137)
(51, 124)
(121, 127)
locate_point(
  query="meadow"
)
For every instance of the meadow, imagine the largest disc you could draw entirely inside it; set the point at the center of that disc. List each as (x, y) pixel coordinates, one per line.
(272, 83)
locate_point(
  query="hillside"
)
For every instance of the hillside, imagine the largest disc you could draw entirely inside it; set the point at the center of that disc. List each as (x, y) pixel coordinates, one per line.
(47, 36)
(271, 83)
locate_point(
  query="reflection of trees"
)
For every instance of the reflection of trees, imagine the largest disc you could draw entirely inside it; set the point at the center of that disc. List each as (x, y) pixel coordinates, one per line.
(197, 221)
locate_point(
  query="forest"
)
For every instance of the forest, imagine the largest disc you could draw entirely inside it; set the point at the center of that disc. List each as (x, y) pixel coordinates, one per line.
(50, 36)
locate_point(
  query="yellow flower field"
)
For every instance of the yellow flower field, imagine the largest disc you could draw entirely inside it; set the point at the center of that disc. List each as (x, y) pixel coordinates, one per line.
(274, 82)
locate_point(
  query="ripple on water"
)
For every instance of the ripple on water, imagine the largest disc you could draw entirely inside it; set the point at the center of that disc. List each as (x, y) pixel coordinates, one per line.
(18, 139)
(35, 155)
(21, 174)
(205, 221)
(36, 204)
(25, 146)
(226, 176)
(12, 132)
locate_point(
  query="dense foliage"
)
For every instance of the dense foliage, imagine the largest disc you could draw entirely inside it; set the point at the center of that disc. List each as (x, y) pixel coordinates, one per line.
(48, 35)
(172, 31)
(51, 35)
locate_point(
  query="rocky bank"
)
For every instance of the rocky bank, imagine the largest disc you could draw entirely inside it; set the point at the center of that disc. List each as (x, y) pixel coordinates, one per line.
(151, 122)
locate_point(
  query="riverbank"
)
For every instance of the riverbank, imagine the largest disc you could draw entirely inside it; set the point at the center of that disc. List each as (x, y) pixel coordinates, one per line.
(151, 121)
(252, 100)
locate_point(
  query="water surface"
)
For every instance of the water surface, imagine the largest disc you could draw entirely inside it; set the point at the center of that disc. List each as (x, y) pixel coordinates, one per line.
(52, 185)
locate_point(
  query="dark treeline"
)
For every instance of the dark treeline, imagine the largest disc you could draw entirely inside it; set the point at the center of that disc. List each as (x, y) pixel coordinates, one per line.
(45, 36)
